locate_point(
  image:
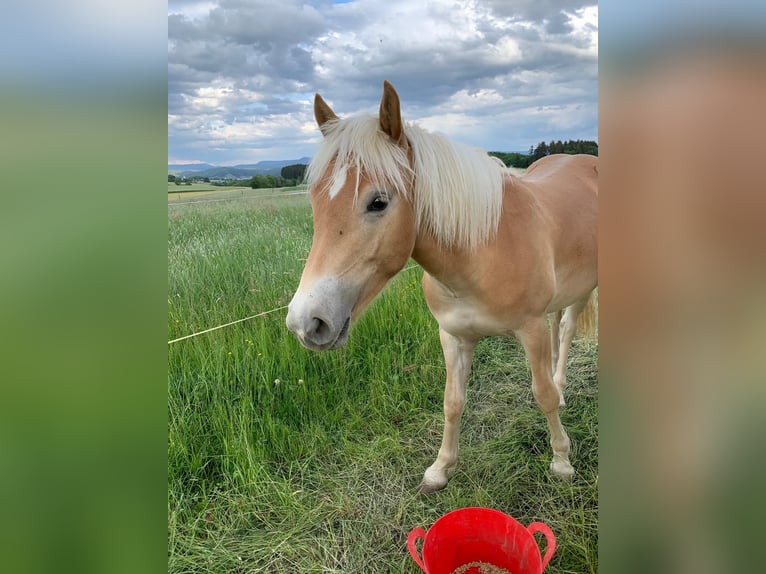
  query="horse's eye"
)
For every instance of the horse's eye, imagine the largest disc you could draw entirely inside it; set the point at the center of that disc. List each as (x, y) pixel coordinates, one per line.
(377, 204)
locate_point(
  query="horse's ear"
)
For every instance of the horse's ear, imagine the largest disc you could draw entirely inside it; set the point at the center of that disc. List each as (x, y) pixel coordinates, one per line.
(322, 112)
(390, 115)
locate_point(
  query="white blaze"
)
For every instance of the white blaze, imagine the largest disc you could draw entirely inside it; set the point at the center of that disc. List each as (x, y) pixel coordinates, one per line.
(338, 182)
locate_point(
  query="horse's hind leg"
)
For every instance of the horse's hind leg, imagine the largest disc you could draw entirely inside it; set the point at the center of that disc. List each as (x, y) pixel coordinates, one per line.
(555, 318)
(458, 354)
(534, 338)
(568, 330)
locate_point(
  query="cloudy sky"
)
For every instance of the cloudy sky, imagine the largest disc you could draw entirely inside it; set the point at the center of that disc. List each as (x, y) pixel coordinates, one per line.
(499, 74)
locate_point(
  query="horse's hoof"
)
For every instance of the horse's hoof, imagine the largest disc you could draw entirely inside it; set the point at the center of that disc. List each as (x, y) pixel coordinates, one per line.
(562, 470)
(426, 488)
(433, 480)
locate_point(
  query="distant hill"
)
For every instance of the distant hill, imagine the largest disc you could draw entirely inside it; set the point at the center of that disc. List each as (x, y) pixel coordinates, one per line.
(178, 167)
(241, 171)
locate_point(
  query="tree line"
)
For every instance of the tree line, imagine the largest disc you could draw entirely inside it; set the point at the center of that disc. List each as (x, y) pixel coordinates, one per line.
(186, 181)
(542, 149)
(288, 176)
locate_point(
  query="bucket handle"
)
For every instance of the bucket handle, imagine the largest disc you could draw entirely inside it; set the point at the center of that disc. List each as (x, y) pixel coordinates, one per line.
(550, 547)
(415, 535)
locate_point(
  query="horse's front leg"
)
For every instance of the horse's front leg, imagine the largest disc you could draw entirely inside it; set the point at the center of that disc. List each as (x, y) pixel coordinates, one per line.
(458, 354)
(534, 338)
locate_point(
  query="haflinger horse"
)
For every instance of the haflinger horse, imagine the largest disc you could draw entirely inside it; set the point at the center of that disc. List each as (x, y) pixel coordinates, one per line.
(499, 253)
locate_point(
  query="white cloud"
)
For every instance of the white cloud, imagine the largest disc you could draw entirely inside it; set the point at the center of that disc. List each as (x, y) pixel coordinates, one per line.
(504, 51)
(585, 25)
(191, 9)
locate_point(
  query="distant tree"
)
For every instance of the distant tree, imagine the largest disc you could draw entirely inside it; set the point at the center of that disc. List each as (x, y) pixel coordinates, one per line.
(294, 172)
(569, 146)
(171, 178)
(541, 150)
(513, 159)
(556, 147)
(260, 181)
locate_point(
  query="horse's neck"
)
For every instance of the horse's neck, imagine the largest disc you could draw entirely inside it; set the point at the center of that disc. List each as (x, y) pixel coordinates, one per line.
(521, 230)
(446, 264)
(453, 266)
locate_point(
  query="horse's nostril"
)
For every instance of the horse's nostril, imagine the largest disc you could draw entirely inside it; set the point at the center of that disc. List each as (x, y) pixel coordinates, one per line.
(318, 327)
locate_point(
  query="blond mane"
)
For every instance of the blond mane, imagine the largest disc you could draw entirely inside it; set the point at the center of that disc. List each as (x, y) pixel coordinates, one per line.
(457, 192)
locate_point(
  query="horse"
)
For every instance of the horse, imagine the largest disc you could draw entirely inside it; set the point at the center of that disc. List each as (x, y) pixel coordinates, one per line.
(499, 253)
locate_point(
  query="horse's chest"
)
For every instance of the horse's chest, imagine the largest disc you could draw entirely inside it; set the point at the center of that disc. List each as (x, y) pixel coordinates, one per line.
(469, 311)
(469, 322)
(463, 316)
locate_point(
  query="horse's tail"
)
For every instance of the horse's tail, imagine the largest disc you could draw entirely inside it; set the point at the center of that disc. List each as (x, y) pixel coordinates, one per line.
(587, 322)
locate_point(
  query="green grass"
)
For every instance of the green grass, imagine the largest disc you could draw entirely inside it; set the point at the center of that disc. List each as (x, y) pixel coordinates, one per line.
(319, 472)
(199, 192)
(183, 188)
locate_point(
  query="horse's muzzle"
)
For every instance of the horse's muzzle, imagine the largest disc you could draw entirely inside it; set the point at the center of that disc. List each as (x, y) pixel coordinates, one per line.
(320, 316)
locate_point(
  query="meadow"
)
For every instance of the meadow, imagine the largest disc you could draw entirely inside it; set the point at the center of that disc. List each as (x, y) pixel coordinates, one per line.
(283, 460)
(205, 192)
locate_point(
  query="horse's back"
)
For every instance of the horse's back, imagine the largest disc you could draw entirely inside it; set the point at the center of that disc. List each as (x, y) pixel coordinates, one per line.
(566, 186)
(563, 170)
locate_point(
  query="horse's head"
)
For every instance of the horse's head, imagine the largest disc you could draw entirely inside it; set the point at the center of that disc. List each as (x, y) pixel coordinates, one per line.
(364, 225)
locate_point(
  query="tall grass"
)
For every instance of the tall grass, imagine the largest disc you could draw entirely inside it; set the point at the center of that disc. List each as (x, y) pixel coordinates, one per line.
(284, 460)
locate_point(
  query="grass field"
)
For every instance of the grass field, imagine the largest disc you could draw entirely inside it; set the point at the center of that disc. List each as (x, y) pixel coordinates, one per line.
(199, 192)
(284, 460)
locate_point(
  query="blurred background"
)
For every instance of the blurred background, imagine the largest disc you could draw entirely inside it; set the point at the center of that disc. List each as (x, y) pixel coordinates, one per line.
(682, 87)
(83, 286)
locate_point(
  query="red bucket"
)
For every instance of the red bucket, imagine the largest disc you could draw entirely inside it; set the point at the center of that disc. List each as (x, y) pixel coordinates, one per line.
(481, 536)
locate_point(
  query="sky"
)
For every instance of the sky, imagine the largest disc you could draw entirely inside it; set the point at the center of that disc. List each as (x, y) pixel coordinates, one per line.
(499, 74)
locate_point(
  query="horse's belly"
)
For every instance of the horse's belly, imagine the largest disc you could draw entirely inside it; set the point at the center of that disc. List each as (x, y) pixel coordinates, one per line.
(573, 288)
